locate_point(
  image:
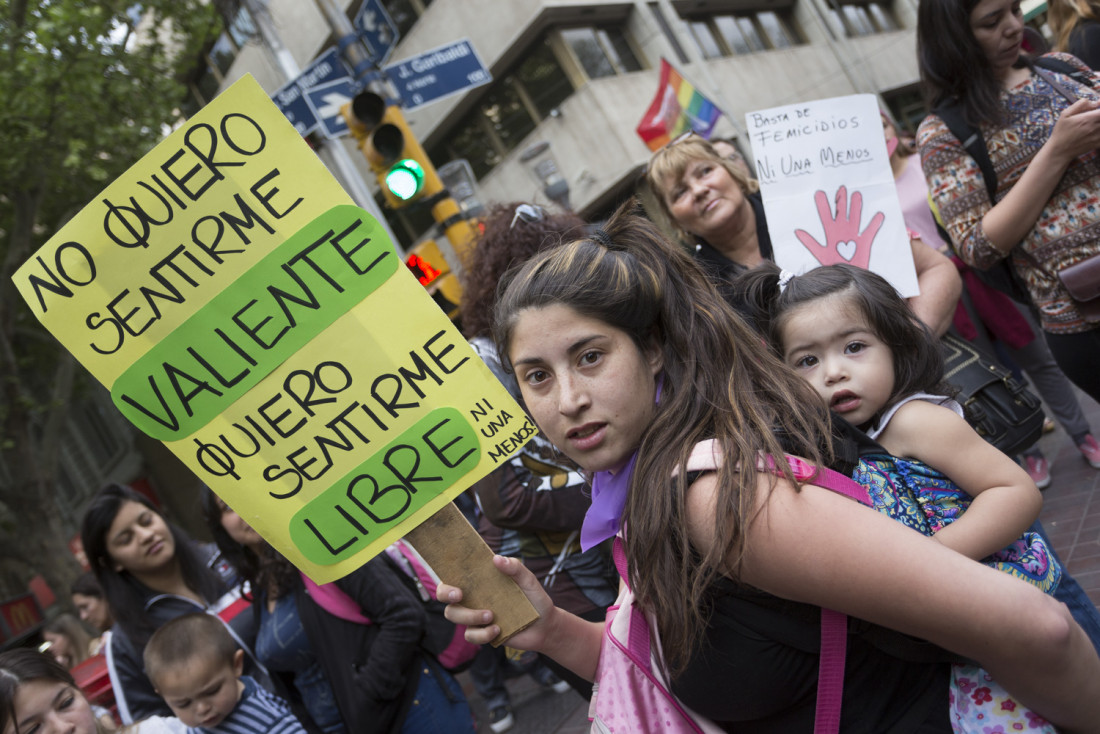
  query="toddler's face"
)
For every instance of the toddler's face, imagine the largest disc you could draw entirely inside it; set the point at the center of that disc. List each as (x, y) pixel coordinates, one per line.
(831, 345)
(204, 691)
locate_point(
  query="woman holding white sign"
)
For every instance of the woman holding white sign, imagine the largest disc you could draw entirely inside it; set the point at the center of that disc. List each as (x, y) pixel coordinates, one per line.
(716, 204)
(1025, 186)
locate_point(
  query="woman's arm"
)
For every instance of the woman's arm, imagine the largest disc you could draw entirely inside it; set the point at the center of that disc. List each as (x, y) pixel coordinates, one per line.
(1006, 501)
(568, 639)
(960, 194)
(816, 546)
(513, 496)
(1076, 132)
(940, 288)
(398, 616)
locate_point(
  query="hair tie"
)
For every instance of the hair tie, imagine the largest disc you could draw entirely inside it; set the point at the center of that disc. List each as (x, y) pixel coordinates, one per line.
(599, 234)
(785, 276)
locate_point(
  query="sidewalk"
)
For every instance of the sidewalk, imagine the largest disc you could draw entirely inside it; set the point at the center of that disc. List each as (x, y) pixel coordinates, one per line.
(1071, 517)
(1071, 505)
(537, 710)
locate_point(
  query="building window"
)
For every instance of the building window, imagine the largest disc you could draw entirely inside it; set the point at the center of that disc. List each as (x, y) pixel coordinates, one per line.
(601, 51)
(705, 39)
(863, 19)
(541, 78)
(532, 90)
(666, 30)
(508, 112)
(740, 34)
(213, 66)
(745, 33)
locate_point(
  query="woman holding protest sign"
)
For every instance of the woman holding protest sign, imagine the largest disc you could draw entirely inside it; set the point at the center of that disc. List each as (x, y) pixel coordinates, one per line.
(1026, 186)
(532, 506)
(716, 204)
(633, 366)
(152, 572)
(348, 653)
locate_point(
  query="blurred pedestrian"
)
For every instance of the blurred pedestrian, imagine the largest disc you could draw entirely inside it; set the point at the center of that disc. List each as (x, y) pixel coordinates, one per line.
(69, 643)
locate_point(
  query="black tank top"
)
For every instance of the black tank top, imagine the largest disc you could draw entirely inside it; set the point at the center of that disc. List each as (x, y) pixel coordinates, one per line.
(755, 671)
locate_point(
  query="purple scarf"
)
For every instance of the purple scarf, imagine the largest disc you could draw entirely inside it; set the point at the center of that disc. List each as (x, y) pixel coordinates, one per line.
(609, 492)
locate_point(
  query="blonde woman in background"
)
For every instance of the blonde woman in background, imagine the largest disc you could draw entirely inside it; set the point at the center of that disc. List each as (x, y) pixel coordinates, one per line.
(1076, 28)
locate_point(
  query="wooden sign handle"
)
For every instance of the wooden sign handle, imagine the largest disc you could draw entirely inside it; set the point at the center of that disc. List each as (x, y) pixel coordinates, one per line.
(460, 557)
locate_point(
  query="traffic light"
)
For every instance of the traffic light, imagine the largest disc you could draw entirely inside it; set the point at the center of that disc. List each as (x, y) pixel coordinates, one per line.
(427, 263)
(404, 171)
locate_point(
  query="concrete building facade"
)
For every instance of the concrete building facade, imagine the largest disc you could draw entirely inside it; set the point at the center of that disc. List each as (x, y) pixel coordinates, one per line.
(579, 75)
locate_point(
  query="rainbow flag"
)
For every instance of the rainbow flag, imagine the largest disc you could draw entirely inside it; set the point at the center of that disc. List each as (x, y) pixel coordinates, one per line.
(677, 108)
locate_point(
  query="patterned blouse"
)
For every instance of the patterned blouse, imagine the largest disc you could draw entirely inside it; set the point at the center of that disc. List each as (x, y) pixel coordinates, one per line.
(1067, 230)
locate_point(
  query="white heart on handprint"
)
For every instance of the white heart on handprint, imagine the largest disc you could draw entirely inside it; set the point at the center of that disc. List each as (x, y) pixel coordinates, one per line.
(846, 250)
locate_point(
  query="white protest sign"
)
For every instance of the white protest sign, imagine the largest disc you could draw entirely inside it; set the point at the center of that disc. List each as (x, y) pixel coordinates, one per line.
(828, 189)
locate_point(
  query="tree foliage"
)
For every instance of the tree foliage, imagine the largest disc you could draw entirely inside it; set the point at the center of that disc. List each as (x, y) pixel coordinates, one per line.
(88, 88)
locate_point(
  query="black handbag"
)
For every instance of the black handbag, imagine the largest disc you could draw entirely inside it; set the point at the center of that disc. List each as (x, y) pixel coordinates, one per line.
(997, 406)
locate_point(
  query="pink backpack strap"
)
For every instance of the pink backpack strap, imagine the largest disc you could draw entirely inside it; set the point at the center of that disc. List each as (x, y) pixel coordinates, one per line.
(334, 601)
(707, 456)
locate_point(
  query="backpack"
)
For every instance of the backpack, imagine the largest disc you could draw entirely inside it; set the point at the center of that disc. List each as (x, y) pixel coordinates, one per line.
(1001, 276)
(443, 638)
(631, 693)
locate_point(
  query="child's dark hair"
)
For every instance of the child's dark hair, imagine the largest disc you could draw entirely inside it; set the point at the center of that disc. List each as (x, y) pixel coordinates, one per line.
(918, 361)
(188, 637)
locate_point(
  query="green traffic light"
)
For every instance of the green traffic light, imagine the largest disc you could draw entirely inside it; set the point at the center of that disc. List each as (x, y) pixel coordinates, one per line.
(405, 179)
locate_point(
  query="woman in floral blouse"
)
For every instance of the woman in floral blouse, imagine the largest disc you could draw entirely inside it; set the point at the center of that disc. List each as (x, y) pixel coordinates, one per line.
(1045, 215)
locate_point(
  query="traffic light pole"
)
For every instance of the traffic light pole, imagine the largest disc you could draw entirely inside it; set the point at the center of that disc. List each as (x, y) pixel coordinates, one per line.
(349, 174)
(405, 173)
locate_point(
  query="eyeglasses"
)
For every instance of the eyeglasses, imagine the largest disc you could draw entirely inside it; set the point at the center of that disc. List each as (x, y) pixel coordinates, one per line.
(679, 138)
(529, 213)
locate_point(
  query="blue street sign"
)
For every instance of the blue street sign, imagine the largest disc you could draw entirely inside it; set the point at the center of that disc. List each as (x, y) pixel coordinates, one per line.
(325, 100)
(438, 73)
(291, 96)
(377, 29)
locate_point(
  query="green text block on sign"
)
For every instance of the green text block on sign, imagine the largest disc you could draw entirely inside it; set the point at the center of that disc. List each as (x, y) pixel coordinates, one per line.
(424, 461)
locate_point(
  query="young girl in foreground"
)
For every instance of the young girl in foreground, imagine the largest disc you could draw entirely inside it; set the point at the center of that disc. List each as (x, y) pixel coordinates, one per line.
(733, 565)
(848, 333)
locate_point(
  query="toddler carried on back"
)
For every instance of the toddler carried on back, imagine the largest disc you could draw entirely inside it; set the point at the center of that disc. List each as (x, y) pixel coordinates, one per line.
(855, 340)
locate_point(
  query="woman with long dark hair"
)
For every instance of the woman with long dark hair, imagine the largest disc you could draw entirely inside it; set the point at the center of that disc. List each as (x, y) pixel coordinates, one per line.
(151, 572)
(630, 363)
(1039, 125)
(342, 675)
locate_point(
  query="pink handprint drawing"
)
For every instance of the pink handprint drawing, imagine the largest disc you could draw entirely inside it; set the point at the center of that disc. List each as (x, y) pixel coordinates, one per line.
(843, 241)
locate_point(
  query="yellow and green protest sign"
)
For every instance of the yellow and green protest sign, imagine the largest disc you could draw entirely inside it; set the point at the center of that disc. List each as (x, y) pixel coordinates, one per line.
(243, 311)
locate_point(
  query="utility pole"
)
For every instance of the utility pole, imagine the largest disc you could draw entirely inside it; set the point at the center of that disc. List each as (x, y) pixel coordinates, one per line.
(341, 159)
